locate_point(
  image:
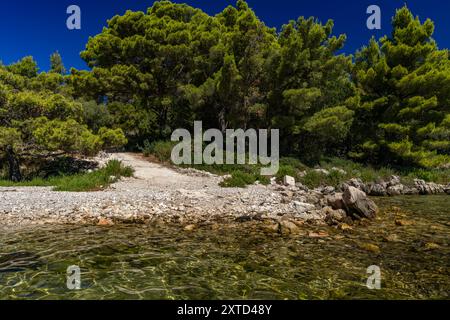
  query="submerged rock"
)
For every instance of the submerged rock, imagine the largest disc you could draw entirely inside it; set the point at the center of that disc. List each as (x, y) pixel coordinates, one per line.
(369, 247)
(333, 217)
(391, 238)
(320, 234)
(287, 227)
(190, 227)
(403, 223)
(345, 227)
(358, 205)
(431, 246)
(103, 222)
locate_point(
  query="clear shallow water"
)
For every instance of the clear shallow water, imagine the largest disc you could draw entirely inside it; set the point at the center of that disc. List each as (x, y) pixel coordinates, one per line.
(240, 262)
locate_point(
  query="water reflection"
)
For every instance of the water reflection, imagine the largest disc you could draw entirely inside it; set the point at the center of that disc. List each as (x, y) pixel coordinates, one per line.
(235, 262)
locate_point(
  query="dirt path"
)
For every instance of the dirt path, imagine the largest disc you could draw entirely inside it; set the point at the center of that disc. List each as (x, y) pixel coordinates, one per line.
(155, 176)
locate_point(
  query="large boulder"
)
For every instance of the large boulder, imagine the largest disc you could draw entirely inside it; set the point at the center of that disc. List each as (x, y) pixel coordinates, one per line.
(358, 205)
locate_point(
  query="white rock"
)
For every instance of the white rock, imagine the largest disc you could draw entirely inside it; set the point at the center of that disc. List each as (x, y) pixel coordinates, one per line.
(289, 181)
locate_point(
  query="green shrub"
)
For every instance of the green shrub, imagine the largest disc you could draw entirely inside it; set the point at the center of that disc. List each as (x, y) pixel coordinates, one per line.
(313, 179)
(293, 162)
(147, 149)
(239, 179)
(162, 150)
(92, 181)
(287, 170)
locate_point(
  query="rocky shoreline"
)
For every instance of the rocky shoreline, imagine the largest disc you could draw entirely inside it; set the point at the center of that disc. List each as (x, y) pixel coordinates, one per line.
(190, 198)
(394, 187)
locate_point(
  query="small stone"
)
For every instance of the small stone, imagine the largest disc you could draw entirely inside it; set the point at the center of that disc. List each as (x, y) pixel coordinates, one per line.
(302, 207)
(345, 227)
(391, 238)
(403, 223)
(272, 227)
(322, 171)
(190, 227)
(243, 219)
(320, 234)
(431, 246)
(288, 227)
(289, 181)
(104, 222)
(287, 194)
(370, 247)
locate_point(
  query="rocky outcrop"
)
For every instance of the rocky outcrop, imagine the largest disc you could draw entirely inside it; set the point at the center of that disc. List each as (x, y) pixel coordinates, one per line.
(394, 187)
(428, 188)
(358, 205)
(377, 189)
(396, 190)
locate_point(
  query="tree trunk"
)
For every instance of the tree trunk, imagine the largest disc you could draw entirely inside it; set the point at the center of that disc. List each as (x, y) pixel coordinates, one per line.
(14, 167)
(222, 121)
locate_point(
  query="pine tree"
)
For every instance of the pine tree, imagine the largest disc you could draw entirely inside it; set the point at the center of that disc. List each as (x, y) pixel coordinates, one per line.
(404, 85)
(309, 89)
(56, 63)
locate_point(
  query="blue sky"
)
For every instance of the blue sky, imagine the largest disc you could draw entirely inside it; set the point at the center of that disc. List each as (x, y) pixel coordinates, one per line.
(38, 27)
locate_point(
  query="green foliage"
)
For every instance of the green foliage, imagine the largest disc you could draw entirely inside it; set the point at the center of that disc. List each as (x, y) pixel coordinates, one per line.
(38, 118)
(310, 89)
(26, 67)
(287, 170)
(162, 150)
(404, 85)
(112, 138)
(69, 136)
(93, 181)
(9, 137)
(239, 179)
(159, 70)
(147, 148)
(56, 64)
